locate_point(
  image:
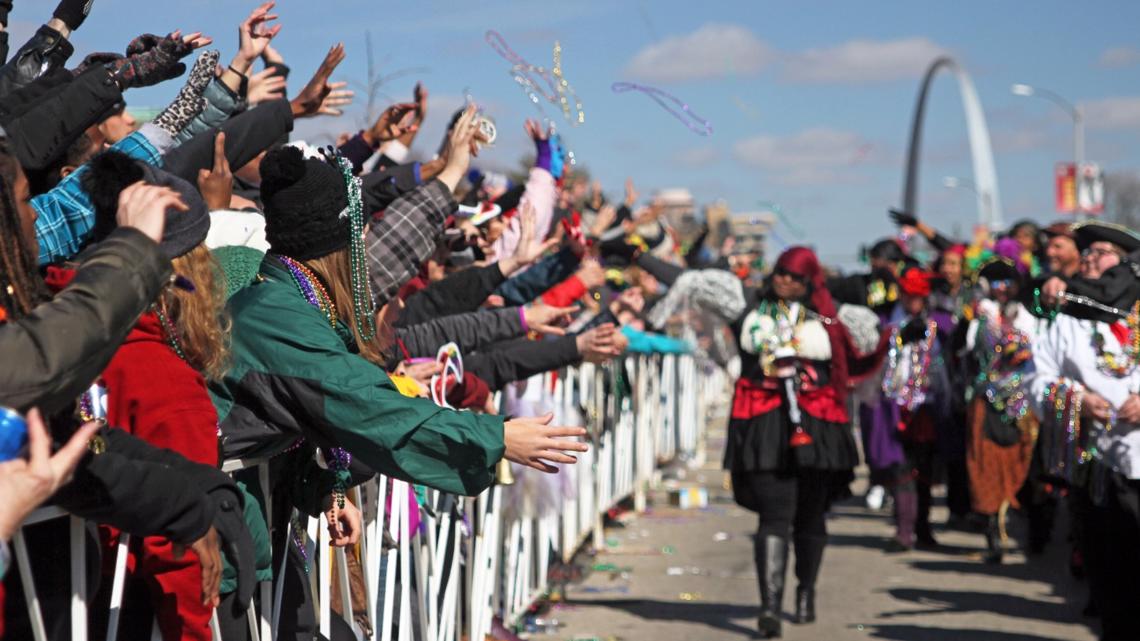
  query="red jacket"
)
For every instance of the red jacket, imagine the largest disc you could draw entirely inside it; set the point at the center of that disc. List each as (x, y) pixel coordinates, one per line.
(158, 397)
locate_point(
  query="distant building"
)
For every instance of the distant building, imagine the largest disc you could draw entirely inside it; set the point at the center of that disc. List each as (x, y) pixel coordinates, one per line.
(751, 229)
(680, 212)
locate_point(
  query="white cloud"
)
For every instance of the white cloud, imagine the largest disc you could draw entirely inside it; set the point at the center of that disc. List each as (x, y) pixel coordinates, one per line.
(1112, 113)
(814, 156)
(863, 61)
(1119, 57)
(697, 157)
(1020, 140)
(712, 51)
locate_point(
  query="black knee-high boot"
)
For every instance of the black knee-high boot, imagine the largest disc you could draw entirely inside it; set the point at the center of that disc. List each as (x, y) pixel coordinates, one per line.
(994, 551)
(771, 554)
(809, 557)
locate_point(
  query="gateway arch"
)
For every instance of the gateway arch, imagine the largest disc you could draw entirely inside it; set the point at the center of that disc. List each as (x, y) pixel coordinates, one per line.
(981, 152)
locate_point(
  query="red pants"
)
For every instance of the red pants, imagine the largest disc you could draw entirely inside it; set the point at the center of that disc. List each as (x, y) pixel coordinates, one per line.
(175, 586)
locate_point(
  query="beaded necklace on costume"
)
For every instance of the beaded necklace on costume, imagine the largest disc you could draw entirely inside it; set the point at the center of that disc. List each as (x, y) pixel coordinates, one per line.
(1062, 428)
(1119, 366)
(908, 386)
(783, 336)
(1004, 354)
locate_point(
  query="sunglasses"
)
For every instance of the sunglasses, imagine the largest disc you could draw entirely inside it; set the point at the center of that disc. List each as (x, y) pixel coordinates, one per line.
(1097, 252)
(782, 271)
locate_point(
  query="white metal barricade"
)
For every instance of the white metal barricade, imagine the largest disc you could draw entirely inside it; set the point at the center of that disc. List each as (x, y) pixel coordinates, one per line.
(470, 560)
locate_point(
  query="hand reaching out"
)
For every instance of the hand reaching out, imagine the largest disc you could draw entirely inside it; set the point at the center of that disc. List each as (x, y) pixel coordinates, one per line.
(533, 441)
(599, 344)
(545, 319)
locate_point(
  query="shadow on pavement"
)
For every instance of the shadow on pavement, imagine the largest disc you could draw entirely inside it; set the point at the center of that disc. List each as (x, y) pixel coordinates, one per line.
(919, 633)
(961, 601)
(714, 615)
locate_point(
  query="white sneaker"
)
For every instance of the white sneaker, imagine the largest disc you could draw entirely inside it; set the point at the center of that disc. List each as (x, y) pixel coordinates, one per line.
(875, 497)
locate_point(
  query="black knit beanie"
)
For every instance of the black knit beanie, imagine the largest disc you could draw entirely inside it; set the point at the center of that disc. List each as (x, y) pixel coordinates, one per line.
(306, 205)
(109, 173)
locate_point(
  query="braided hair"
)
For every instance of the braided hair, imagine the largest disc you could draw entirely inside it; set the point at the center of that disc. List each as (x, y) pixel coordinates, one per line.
(21, 288)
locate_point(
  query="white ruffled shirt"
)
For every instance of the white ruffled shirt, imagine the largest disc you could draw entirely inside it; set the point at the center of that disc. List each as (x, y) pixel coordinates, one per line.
(1066, 349)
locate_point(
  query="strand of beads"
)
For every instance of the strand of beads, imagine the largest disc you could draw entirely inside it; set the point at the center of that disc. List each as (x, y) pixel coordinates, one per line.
(362, 300)
(171, 332)
(311, 288)
(1119, 366)
(339, 460)
(908, 388)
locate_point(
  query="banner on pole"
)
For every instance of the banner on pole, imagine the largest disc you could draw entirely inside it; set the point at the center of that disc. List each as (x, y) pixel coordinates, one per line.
(1065, 177)
(1090, 189)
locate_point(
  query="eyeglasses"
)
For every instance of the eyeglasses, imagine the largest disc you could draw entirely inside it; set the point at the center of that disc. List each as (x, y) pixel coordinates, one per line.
(1097, 252)
(783, 271)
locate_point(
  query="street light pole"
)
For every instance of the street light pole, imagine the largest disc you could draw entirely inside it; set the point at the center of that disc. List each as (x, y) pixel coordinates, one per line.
(1074, 112)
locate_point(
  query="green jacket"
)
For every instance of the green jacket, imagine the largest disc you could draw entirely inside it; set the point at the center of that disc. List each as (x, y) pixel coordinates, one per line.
(293, 376)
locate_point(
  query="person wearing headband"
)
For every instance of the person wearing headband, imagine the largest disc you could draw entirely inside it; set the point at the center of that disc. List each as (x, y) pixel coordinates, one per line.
(790, 449)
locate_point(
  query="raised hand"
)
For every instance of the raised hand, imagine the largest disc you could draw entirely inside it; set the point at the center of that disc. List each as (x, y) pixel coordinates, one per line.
(533, 441)
(902, 218)
(265, 85)
(320, 97)
(631, 194)
(254, 35)
(217, 184)
(396, 121)
(157, 61)
(459, 148)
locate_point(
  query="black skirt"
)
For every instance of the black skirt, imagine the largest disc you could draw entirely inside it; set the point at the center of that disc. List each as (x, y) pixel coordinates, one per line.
(762, 444)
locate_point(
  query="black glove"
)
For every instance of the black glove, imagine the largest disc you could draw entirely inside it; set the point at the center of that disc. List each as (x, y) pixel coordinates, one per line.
(72, 12)
(902, 218)
(619, 249)
(913, 331)
(157, 63)
(236, 544)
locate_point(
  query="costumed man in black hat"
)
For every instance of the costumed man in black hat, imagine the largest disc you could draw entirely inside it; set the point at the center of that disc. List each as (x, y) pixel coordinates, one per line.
(1086, 389)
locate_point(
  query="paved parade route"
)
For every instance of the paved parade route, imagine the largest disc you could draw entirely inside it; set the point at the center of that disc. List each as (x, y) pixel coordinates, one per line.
(688, 574)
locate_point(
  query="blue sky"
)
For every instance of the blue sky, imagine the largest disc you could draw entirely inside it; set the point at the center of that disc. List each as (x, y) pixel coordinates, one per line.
(810, 101)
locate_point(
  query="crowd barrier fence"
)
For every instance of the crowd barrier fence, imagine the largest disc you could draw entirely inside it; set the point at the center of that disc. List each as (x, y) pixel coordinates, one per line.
(472, 558)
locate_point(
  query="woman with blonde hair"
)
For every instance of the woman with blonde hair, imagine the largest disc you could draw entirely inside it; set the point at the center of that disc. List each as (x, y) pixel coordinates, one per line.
(155, 387)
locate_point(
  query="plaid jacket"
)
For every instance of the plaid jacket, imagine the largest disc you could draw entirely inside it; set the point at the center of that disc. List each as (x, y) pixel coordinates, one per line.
(407, 235)
(65, 214)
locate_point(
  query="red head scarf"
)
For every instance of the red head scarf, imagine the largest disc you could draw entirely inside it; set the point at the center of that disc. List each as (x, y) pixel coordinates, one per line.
(803, 262)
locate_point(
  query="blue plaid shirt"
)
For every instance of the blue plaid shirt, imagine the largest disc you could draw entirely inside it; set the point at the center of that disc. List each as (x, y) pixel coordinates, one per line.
(66, 214)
